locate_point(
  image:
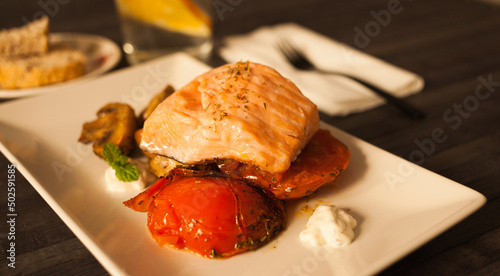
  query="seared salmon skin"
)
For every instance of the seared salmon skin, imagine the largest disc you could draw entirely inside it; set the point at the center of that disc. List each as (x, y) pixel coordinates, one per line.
(242, 111)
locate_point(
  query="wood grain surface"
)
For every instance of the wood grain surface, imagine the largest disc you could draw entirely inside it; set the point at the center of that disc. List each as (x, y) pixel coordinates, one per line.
(454, 45)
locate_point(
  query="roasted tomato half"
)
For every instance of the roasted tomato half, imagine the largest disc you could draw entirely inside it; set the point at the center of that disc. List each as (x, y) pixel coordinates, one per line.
(214, 217)
(321, 162)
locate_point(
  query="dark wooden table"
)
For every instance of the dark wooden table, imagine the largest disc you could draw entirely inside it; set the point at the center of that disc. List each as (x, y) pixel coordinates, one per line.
(454, 45)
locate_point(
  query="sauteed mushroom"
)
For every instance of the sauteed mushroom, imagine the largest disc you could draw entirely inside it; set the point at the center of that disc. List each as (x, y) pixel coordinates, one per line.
(115, 123)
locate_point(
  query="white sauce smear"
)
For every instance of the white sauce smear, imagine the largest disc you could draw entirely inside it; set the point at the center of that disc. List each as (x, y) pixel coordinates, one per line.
(329, 225)
(119, 186)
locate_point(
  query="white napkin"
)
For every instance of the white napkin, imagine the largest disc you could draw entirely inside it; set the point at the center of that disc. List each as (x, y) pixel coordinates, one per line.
(333, 94)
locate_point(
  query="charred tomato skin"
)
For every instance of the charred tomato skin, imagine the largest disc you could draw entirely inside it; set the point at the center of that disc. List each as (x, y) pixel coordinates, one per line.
(214, 217)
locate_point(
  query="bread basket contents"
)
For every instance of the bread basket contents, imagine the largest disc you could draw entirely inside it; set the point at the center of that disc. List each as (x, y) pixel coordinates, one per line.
(229, 149)
(28, 59)
(31, 39)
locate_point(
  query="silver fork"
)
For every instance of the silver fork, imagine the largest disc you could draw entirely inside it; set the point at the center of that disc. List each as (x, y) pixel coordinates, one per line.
(299, 61)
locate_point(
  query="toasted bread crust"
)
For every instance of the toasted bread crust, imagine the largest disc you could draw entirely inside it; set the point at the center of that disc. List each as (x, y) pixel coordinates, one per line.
(27, 60)
(56, 66)
(31, 39)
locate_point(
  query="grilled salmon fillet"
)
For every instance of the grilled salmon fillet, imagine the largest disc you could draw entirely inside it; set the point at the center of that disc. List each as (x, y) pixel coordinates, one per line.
(243, 111)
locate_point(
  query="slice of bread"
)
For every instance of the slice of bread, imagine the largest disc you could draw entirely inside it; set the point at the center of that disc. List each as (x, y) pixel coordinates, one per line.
(61, 63)
(31, 39)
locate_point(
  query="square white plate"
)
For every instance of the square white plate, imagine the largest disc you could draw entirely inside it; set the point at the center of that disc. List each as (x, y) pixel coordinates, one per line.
(399, 206)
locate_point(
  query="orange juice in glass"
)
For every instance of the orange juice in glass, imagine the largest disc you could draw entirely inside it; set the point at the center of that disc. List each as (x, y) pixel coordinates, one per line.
(152, 28)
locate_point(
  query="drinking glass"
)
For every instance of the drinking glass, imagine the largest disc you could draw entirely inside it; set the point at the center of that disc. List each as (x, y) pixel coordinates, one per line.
(152, 28)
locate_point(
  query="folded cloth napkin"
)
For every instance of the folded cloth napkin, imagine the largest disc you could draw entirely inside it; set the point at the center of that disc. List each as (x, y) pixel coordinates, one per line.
(333, 94)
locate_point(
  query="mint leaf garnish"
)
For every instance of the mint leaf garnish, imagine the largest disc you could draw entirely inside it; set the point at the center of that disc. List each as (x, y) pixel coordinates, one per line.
(124, 170)
(112, 154)
(127, 173)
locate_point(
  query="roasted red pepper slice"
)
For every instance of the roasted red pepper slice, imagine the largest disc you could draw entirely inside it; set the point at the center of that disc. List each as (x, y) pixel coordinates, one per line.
(321, 162)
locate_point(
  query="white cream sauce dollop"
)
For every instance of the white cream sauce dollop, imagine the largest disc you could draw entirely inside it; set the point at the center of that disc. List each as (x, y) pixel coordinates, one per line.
(329, 225)
(118, 186)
